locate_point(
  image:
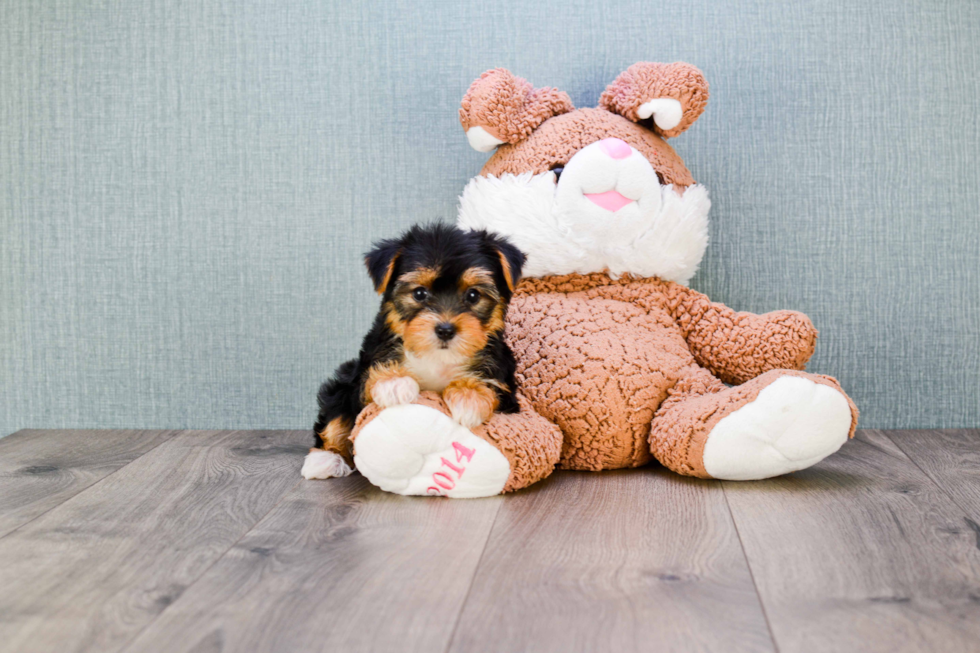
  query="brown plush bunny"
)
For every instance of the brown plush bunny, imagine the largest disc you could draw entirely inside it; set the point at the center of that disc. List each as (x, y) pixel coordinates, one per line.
(618, 361)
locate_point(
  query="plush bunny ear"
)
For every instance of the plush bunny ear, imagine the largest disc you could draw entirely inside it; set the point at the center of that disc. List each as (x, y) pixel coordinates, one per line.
(501, 108)
(673, 94)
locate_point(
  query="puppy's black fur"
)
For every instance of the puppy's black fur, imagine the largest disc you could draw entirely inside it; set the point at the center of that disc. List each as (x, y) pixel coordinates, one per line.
(449, 256)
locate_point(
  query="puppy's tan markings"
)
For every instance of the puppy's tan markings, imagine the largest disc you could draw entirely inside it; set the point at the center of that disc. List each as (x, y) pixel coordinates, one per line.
(420, 277)
(471, 401)
(475, 277)
(394, 321)
(496, 322)
(336, 438)
(419, 333)
(471, 336)
(508, 273)
(387, 278)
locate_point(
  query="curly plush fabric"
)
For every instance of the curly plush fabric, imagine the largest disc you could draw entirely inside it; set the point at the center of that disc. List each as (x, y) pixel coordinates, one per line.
(598, 368)
(734, 346)
(531, 444)
(646, 81)
(775, 340)
(558, 139)
(508, 107)
(600, 357)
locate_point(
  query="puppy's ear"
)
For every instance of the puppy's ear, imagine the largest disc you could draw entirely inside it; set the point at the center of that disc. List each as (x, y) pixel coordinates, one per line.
(380, 263)
(511, 258)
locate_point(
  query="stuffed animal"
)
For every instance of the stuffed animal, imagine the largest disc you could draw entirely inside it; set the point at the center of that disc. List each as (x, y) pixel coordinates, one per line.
(618, 361)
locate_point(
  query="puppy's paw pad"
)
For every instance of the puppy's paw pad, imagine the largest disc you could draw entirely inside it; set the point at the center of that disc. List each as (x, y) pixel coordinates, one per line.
(395, 392)
(321, 464)
(793, 424)
(417, 450)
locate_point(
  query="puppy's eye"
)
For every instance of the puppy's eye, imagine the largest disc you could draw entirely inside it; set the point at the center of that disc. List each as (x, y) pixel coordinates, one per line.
(472, 296)
(420, 294)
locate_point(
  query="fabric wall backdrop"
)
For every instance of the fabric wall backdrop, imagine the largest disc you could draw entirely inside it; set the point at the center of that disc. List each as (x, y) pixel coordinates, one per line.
(186, 188)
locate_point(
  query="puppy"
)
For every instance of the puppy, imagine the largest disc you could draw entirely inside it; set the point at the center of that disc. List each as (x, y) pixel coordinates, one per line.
(440, 328)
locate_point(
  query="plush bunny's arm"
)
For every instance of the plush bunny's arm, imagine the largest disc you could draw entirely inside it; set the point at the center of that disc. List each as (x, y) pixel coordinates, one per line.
(736, 346)
(733, 346)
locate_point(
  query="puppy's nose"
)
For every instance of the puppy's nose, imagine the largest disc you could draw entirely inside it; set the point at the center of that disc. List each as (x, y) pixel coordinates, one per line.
(445, 331)
(615, 148)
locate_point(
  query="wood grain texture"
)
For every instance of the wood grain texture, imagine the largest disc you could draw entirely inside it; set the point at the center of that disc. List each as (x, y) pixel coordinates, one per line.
(862, 552)
(90, 574)
(337, 566)
(41, 469)
(210, 542)
(634, 560)
(951, 458)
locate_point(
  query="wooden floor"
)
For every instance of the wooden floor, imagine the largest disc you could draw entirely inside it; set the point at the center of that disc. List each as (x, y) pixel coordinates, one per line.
(209, 541)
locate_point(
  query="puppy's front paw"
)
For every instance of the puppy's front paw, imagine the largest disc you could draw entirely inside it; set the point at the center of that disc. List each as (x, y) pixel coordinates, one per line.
(324, 464)
(470, 406)
(395, 391)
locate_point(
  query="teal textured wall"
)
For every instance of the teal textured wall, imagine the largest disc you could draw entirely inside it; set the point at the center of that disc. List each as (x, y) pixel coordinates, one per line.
(186, 188)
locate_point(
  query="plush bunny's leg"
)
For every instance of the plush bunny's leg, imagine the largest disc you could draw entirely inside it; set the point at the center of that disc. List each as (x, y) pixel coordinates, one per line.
(418, 449)
(779, 422)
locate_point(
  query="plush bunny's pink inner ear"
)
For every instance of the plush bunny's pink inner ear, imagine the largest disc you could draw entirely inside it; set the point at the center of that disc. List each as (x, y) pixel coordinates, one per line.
(502, 108)
(673, 95)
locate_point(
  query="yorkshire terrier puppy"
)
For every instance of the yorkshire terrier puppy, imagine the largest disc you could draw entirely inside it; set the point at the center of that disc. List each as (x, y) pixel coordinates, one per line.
(440, 328)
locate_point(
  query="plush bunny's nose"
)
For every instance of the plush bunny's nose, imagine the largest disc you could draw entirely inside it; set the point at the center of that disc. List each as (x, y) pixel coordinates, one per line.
(615, 148)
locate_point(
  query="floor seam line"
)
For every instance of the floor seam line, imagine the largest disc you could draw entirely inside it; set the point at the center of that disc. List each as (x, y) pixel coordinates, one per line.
(127, 645)
(476, 569)
(748, 565)
(93, 484)
(935, 483)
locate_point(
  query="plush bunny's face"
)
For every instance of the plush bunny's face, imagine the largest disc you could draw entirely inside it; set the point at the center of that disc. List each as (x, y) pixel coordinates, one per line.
(588, 190)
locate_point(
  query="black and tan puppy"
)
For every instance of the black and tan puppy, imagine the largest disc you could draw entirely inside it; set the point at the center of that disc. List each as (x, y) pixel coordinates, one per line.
(440, 328)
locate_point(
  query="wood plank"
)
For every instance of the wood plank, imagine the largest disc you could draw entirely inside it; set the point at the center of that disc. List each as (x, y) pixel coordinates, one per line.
(90, 574)
(633, 560)
(861, 553)
(951, 458)
(337, 566)
(42, 469)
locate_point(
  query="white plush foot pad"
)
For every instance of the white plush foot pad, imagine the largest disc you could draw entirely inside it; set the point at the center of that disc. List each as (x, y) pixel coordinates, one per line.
(324, 464)
(417, 450)
(793, 423)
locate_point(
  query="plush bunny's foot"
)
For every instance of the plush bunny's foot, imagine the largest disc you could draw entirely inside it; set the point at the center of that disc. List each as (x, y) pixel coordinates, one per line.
(792, 424)
(418, 450)
(779, 422)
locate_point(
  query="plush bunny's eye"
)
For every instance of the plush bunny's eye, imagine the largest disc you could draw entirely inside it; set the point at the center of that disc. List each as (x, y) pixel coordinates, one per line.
(558, 170)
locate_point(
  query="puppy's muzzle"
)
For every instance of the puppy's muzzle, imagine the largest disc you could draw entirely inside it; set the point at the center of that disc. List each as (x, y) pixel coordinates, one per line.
(445, 331)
